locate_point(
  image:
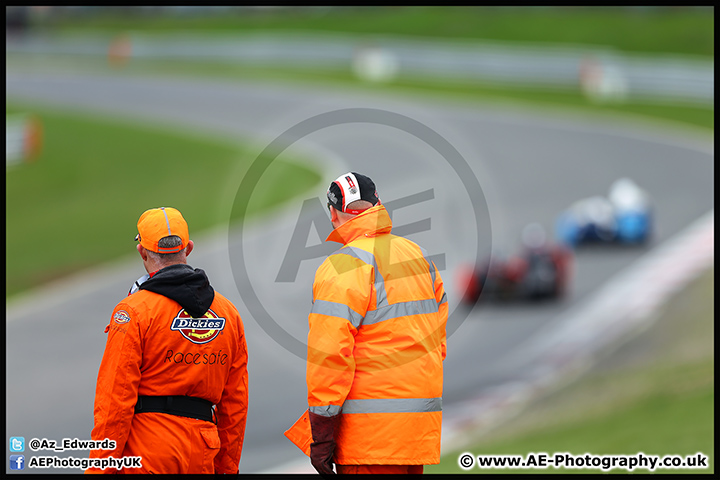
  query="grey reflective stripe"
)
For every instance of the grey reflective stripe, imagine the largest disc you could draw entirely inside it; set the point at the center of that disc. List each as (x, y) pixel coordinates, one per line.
(433, 274)
(326, 411)
(380, 293)
(384, 311)
(333, 309)
(392, 405)
(359, 253)
(400, 310)
(431, 266)
(167, 220)
(369, 258)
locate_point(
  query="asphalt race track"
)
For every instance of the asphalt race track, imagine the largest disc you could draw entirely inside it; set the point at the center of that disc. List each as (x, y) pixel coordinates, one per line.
(425, 158)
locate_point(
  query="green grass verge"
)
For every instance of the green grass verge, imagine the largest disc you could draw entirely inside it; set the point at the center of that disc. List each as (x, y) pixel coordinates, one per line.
(665, 421)
(688, 30)
(78, 203)
(655, 395)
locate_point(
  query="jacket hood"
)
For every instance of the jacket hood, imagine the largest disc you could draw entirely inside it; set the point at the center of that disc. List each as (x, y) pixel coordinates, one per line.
(186, 285)
(373, 221)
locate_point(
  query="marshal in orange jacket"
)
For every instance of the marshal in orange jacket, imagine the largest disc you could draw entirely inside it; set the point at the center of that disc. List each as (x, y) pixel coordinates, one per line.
(376, 347)
(149, 353)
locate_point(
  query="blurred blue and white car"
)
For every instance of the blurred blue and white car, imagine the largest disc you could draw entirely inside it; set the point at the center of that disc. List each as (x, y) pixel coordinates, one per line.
(625, 216)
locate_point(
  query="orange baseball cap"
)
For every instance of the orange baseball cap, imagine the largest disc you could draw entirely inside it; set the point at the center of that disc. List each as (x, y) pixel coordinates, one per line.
(158, 223)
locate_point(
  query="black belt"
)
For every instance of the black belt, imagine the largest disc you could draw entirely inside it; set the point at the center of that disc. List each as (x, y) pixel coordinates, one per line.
(180, 405)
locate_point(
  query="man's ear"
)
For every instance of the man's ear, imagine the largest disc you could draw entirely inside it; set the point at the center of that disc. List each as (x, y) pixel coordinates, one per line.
(333, 214)
(189, 247)
(142, 252)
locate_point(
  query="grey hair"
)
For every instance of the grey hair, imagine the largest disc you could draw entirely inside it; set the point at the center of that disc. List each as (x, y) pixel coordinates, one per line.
(167, 242)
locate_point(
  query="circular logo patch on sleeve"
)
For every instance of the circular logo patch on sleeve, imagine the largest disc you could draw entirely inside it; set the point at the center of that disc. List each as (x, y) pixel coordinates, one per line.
(121, 317)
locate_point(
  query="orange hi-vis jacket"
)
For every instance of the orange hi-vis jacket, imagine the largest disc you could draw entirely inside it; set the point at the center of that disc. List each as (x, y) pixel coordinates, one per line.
(158, 347)
(376, 345)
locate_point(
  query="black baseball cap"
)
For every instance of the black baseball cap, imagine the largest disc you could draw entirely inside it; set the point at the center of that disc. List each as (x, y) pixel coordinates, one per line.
(350, 187)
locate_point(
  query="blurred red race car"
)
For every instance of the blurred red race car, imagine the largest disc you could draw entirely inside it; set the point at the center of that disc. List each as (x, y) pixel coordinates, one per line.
(539, 271)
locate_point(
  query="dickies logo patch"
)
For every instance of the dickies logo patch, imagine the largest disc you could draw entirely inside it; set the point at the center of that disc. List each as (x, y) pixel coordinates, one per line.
(198, 330)
(121, 317)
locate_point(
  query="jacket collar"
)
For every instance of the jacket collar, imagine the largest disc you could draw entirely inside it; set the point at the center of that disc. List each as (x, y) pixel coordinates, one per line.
(373, 221)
